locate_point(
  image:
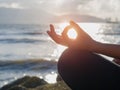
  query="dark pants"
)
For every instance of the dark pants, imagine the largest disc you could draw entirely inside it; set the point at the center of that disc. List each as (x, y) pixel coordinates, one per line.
(83, 70)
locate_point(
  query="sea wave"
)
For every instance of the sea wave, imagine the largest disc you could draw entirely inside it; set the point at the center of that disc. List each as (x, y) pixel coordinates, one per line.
(22, 33)
(22, 40)
(28, 65)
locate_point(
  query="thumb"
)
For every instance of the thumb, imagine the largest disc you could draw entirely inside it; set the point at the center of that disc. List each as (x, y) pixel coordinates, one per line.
(65, 36)
(77, 28)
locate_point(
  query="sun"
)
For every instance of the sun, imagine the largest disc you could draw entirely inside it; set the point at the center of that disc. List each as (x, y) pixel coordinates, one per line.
(72, 34)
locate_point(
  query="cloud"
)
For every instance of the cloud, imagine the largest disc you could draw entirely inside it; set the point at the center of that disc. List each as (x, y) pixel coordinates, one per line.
(46, 8)
(109, 8)
(11, 5)
(100, 8)
(62, 6)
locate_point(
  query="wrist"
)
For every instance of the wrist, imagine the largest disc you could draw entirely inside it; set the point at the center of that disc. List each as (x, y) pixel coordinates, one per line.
(95, 46)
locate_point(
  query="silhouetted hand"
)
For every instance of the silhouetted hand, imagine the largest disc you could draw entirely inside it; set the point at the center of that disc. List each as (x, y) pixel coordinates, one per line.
(82, 41)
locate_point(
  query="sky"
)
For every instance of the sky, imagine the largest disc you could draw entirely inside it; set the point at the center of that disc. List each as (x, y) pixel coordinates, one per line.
(38, 11)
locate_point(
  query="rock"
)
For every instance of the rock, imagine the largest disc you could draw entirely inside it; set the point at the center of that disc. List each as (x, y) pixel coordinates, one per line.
(34, 82)
(15, 83)
(17, 88)
(59, 78)
(57, 86)
(24, 83)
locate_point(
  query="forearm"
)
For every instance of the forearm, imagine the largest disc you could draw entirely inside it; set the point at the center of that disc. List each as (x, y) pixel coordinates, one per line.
(111, 50)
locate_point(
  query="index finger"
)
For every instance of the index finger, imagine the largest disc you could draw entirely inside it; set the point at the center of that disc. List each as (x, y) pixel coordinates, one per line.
(65, 31)
(77, 28)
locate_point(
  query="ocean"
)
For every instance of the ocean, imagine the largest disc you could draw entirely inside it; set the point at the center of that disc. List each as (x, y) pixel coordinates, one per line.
(26, 49)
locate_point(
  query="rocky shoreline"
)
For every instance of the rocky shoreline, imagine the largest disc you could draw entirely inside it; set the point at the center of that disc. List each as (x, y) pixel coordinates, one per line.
(34, 83)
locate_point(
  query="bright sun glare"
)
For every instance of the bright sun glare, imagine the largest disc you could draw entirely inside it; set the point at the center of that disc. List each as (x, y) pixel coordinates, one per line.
(90, 28)
(72, 34)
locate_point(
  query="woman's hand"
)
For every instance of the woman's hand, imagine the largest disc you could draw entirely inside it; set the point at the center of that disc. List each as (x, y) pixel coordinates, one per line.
(83, 40)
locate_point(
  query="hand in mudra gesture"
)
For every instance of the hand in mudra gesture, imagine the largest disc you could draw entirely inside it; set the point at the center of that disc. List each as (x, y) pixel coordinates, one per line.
(82, 41)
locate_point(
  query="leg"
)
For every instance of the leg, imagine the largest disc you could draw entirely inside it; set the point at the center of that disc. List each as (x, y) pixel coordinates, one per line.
(83, 70)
